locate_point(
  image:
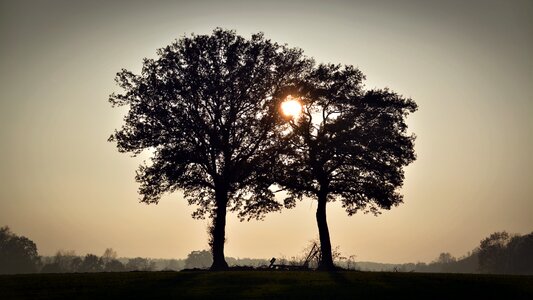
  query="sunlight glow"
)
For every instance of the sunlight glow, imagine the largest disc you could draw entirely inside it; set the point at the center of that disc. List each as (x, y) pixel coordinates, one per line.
(291, 107)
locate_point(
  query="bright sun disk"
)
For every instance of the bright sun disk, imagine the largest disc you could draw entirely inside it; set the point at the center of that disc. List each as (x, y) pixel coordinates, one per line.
(291, 107)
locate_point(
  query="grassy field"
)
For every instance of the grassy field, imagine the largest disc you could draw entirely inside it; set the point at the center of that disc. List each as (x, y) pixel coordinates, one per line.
(264, 284)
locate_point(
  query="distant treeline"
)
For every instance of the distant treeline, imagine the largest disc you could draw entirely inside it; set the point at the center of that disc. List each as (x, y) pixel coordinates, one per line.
(18, 254)
(68, 261)
(500, 253)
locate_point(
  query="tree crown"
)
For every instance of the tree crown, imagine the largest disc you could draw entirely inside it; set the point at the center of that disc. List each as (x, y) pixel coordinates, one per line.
(348, 143)
(205, 107)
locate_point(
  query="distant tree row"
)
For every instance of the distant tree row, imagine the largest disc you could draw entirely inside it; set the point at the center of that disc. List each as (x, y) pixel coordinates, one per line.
(499, 253)
(19, 255)
(68, 261)
(203, 259)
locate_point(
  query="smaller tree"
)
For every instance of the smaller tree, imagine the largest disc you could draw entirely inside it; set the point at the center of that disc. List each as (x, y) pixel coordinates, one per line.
(91, 263)
(110, 262)
(18, 254)
(75, 264)
(520, 250)
(445, 258)
(346, 144)
(445, 262)
(198, 259)
(140, 264)
(114, 266)
(109, 255)
(492, 253)
(64, 261)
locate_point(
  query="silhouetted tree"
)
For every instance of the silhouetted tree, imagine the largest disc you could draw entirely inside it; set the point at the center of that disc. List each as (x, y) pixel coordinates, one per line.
(91, 263)
(18, 254)
(75, 264)
(493, 254)
(140, 264)
(198, 259)
(109, 255)
(109, 261)
(63, 262)
(348, 144)
(172, 264)
(445, 262)
(114, 265)
(520, 255)
(206, 107)
(445, 258)
(468, 263)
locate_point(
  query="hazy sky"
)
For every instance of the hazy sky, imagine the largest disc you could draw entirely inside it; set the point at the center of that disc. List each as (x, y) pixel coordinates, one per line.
(468, 65)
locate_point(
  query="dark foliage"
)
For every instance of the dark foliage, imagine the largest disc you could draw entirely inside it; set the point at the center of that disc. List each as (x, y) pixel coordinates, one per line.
(18, 254)
(206, 107)
(446, 263)
(198, 259)
(140, 264)
(348, 144)
(109, 261)
(114, 266)
(503, 253)
(62, 262)
(69, 262)
(91, 263)
(499, 253)
(520, 254)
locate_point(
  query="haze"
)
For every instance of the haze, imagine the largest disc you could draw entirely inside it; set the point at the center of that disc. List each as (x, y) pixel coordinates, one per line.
(468, 66)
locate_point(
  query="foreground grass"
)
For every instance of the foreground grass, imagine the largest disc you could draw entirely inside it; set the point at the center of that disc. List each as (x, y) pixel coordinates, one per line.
(263, 284)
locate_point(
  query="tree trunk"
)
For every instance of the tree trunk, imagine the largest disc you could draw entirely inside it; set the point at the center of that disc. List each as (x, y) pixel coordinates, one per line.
(326, 263)
(219, 231)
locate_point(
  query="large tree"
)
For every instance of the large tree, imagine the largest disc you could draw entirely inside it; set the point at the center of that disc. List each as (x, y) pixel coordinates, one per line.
(207, 108)
(347, 144)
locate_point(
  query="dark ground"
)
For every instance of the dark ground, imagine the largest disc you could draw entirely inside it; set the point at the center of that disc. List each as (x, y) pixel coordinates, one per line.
(264, 284)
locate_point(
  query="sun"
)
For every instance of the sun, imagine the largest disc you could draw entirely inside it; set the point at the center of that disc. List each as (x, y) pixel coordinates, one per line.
(291, 107)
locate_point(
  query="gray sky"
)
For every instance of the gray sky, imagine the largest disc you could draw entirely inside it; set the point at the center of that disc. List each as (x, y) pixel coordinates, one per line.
(468, 65)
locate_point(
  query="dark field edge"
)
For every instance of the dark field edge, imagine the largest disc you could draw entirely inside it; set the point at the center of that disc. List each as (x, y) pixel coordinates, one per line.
(264, 285)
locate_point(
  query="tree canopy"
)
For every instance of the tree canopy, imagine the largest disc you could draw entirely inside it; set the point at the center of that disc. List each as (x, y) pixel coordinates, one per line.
(206, 107)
